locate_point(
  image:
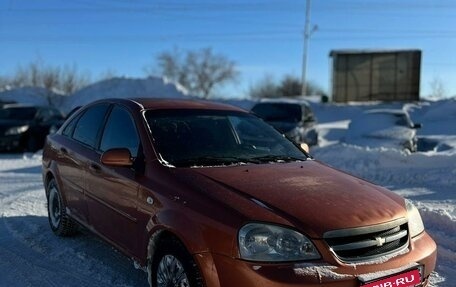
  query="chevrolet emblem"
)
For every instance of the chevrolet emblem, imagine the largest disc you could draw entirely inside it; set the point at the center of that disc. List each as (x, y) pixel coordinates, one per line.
(380, 241)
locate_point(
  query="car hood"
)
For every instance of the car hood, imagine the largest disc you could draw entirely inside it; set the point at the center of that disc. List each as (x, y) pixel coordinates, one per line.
(312, 196)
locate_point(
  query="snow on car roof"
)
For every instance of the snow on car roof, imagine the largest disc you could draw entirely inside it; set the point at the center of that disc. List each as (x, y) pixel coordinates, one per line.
(386, 111)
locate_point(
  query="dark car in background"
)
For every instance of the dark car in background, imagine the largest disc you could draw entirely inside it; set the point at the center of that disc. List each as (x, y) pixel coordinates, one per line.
(24, 128)
(294, 119)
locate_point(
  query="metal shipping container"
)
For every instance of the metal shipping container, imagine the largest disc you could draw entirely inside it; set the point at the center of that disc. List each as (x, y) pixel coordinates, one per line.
(375, 75)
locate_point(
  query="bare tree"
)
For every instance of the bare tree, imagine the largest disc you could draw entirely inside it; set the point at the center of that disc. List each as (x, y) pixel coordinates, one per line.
(65, 80)
(289, 86)
(20, 78)
(437, 88)
(35, 73)
(265, 88)
(51, 78)
(198, 71)
(108, 74)
(4, 83)
(71, 80)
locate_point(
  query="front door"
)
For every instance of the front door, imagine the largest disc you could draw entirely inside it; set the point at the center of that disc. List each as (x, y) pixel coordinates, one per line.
(112, 191)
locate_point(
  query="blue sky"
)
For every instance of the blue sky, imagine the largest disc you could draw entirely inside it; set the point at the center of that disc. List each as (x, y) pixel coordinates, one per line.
(262, 37)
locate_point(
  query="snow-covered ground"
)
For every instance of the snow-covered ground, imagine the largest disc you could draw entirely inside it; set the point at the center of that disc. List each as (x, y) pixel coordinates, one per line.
(32, 256)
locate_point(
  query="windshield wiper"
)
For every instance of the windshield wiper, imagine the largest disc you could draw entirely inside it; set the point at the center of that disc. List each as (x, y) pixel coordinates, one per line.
(277, 158)
(213, 160)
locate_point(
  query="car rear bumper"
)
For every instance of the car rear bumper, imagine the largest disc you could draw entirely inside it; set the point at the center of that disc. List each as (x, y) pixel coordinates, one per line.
(223, 271)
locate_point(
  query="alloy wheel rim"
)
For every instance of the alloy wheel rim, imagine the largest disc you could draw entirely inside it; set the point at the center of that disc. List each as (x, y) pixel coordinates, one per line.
(54, 207)
(171, 273)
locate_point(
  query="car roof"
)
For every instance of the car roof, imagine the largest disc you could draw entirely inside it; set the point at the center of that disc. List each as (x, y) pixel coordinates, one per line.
(166, 104)
(283, 101)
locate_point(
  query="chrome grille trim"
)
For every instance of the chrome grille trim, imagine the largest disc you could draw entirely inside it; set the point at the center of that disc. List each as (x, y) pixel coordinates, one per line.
(364, 229)
(368, 243)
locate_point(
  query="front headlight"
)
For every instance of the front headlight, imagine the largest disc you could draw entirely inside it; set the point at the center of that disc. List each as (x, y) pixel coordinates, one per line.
(16, 130)
(415, 222)
(271, 243)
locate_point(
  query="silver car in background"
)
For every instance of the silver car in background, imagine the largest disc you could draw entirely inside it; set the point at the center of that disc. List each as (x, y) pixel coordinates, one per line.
(391, 128)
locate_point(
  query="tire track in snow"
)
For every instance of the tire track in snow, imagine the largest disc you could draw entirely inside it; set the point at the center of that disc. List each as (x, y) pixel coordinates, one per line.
(31, 255)
(26, 267)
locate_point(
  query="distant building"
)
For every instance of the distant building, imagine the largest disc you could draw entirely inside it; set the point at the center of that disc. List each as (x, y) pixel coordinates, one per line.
(375, 75)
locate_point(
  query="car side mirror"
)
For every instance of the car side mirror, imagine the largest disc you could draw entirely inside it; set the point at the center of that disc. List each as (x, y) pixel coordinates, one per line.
(117, 157)
(417, 126)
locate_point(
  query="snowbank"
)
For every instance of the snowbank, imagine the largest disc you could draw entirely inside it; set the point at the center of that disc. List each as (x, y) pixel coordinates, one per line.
(28, 95)
(151, 87)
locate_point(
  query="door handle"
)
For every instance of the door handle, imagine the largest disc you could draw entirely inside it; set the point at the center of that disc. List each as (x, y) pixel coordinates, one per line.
(63, 150)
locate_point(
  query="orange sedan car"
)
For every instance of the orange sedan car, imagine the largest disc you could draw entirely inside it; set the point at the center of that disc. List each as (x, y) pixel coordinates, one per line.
(205, 194)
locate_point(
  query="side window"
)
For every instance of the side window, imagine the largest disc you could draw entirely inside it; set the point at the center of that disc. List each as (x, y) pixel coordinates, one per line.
(308, 115)
(89, 125)
(68, 130)
(120, 132)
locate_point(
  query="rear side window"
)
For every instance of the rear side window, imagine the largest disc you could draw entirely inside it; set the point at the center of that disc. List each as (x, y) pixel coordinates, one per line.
(120, 132)
(89, 125)
(69, 128)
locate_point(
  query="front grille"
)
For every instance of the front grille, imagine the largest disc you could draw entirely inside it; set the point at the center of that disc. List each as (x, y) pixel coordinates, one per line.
(368, 243)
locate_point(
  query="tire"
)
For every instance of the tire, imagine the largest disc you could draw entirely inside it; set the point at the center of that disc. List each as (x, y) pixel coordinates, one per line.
(173, 266)
(61, 224)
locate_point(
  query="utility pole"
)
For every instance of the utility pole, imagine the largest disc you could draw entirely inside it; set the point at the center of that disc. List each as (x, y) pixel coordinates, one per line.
(307, 33)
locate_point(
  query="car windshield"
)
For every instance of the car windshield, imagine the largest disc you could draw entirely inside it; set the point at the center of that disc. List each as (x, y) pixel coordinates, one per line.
(184, 138)
(18, 113)
(278, 112)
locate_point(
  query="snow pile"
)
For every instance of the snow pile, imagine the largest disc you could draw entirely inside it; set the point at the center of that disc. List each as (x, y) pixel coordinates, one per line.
(151, 87)
(438, 120)
(318, 271)
(440, 111)
(28, 95)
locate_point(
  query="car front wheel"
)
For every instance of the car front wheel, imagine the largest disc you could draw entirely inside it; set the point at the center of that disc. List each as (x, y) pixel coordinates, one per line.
(174, 266)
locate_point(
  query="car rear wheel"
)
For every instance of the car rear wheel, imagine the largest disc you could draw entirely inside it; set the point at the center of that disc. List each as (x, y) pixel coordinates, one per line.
(174, 266)
(61, 224)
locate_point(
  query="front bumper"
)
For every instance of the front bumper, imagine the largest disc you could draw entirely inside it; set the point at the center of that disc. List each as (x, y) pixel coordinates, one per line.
(223, 271)
(8, 143)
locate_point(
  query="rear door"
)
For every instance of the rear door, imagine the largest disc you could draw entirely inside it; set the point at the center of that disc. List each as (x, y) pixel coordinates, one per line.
(112, 191)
